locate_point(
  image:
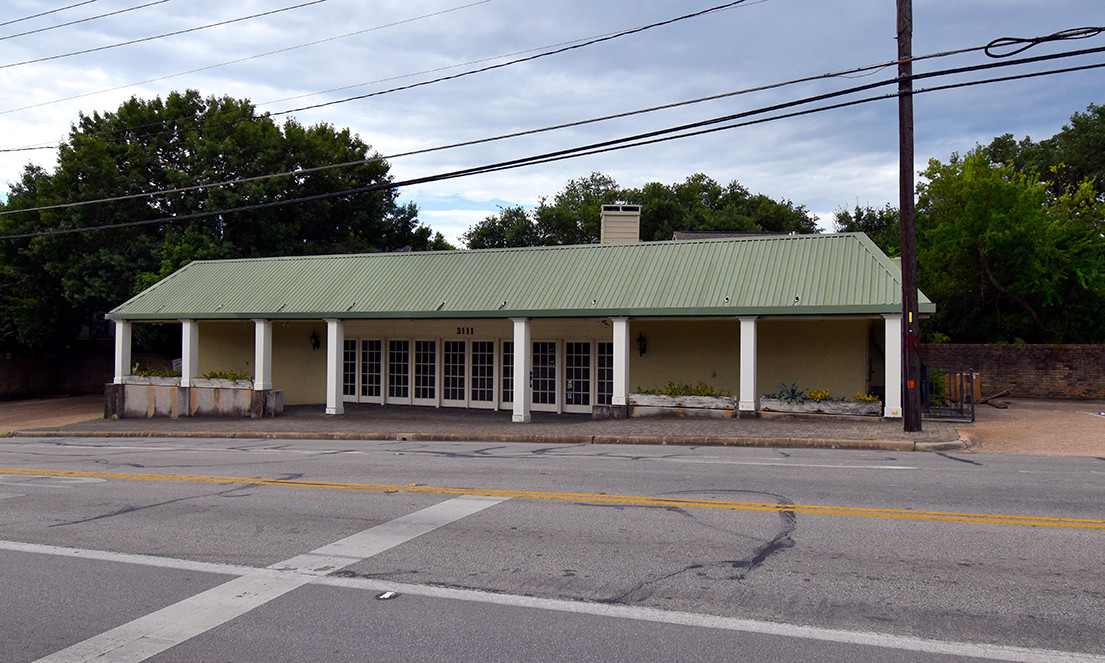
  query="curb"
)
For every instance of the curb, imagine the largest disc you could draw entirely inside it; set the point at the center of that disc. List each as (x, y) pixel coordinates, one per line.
(688, 440)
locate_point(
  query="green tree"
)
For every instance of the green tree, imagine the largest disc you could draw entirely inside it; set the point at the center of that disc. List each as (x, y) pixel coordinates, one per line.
(512, 226)
(1005, 259)
(883, 226)
(1065, 160)
(54, 284)
(573, 215)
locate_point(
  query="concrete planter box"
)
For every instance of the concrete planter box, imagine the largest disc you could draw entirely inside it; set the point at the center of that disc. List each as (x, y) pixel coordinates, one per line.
(658, 405)
(219, 383)
(164, 397)
(855, 408)
(151, 381)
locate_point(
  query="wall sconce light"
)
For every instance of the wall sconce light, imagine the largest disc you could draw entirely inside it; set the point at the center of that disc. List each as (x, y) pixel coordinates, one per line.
(642, 344)
(314, 340)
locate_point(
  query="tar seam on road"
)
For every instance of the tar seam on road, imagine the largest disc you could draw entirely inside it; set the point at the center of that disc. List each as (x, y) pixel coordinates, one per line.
(998, 519)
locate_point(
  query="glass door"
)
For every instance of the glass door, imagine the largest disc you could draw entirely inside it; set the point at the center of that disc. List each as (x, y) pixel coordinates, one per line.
(482, 385)
(399, 372)
(544, 375)
(371, 365)
(577, 376)
(454, 371)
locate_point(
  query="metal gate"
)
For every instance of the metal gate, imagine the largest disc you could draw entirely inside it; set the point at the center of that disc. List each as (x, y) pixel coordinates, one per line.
(949, 393)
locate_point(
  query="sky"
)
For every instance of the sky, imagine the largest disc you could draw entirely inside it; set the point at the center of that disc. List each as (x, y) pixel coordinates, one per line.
(331, 50)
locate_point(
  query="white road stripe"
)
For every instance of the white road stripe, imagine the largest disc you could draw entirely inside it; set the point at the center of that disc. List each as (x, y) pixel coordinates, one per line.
(158, 631)
(862, 638)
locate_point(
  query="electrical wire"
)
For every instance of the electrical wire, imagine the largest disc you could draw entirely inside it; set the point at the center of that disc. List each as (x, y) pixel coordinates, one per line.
(46, 13)
(248, 58)
(578, 123)
(160, 36)
(1023, 44)
(84, 20)
(675, 133)
(589, 42)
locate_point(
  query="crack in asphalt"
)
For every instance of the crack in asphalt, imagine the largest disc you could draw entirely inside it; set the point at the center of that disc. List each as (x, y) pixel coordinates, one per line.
(134, 509)
(724, 569)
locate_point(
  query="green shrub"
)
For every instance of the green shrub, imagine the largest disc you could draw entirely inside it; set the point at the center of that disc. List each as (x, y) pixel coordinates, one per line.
(673, 389)
(790, 394)
(819, 395)
(156, 372)
(227, 375)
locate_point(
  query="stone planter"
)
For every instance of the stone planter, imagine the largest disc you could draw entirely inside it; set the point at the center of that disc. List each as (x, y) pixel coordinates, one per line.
(658, 405)
(855, 408)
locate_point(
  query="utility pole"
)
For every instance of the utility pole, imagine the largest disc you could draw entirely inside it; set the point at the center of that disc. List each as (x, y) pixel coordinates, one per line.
(911, 356)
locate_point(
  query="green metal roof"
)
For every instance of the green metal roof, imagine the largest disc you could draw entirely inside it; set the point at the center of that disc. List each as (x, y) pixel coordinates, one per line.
(793, 275)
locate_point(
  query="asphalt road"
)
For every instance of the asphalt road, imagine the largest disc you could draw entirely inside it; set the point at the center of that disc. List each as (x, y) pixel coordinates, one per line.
(232, 550)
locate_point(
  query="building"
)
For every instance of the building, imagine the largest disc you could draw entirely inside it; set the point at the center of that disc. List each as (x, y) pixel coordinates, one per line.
(559, 329)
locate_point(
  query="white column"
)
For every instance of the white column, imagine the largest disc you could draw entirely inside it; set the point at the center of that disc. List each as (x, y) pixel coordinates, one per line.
(123, 334)
(335, 348)
(892, 408)
(262, 355)
(747, 396)
(523, 366)
(189, 352)
(621, 362)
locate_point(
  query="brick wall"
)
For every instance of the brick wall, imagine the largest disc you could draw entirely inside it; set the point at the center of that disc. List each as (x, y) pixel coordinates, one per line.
(1028, 371)
(72, 375)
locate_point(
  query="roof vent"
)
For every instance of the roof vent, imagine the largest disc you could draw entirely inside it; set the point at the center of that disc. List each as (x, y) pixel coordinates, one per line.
(621, 224)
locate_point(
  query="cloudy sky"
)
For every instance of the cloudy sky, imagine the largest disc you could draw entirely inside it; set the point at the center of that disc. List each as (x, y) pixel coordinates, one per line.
(332, 50)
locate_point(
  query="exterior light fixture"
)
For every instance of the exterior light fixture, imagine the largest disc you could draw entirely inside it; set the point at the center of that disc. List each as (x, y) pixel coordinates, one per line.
(642, 344)
(314, 340)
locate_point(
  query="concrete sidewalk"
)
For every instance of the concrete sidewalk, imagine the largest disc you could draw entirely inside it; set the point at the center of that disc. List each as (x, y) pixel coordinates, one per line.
(1041, 427)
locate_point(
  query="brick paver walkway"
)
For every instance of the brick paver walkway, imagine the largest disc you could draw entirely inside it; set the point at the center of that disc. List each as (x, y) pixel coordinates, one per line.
(373, 421)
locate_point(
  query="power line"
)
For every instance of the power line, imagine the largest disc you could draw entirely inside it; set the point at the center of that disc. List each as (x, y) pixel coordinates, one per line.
(482, 70)
(589, 42)
(244, 59)
(160, 36)
(577, 123)
(47, 13)
(565, 49)
(84, 20)
(648, 138)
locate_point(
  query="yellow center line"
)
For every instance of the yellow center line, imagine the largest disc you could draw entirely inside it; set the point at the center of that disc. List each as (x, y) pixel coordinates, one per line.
(633, 500)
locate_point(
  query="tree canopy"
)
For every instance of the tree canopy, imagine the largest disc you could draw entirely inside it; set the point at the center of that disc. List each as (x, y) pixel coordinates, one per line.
(54, 284)
(699, 203)
(1007, 260)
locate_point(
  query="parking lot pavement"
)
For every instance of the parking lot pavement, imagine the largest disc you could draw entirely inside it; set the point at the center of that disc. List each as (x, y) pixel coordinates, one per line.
(1042, 427)
(48, 413)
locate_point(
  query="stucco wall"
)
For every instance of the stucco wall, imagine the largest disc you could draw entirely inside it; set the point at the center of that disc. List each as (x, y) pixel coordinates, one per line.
(687, 352)
(226, 347)
(297, 370)
(817, 354)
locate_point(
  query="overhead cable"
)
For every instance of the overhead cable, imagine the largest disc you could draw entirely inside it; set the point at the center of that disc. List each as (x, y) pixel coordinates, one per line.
(577, 123)
(589, 42)
(47, 13)
(161, 36)
(246, 59)
(674, 133)
(84, 20)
